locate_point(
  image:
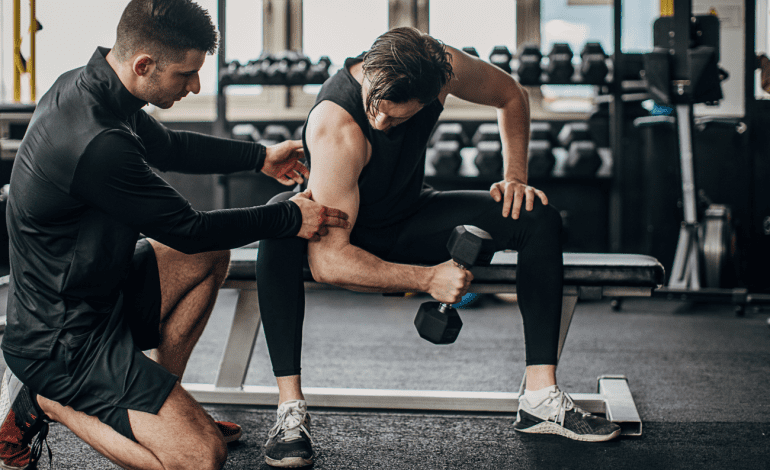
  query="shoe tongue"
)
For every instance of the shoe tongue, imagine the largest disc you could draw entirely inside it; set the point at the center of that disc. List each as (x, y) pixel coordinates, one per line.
(300, 405)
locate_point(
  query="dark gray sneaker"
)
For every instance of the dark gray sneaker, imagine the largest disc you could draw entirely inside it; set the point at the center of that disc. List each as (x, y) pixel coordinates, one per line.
(558, 414)
(289, 444)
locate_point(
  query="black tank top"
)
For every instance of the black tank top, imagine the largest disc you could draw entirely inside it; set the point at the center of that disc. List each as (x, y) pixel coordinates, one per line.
(391, 183)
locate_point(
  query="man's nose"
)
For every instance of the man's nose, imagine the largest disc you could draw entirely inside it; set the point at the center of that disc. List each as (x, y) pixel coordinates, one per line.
(194, 85)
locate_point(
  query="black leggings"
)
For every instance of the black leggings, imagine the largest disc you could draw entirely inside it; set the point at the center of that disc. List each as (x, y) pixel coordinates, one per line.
(422, 238)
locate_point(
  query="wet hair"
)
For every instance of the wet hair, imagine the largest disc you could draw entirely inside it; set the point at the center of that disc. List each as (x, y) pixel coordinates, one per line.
(165, 29)
(405, 64)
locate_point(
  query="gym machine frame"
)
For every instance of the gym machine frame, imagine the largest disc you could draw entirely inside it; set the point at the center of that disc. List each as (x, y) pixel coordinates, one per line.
(680, 72)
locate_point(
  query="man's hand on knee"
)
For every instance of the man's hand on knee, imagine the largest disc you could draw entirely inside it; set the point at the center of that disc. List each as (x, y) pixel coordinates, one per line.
(513, 194)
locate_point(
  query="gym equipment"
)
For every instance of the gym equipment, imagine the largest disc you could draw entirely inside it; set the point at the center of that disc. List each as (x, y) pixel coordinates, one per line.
(319, 72)
(297, 135)
(488, 131)
(299, 67)
(437, 322)
(471, 51)
(541, 159)
(447, 131)
(588, 276)
(583, 160)
(445, 158)
(275, 134)
(528, 68)
(247, 132)
(489, 158)
(593, 64)
(572, 132)
(683, 70)
(501, 57)
(560, 68)
(719, 244)
(541, 130)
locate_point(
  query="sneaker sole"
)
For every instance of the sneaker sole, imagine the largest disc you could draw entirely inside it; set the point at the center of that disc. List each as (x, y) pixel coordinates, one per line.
(234, 437)
(547, 427)
(289, 462)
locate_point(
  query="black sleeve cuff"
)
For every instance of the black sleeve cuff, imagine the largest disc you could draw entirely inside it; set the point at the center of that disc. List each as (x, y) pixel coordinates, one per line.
(261, 153)
(295, 217)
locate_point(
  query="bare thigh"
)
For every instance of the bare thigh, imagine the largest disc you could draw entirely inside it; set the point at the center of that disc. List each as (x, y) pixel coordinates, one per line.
(180, 272)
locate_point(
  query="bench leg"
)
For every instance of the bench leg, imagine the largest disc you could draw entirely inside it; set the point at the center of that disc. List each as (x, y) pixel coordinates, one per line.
(240, 342)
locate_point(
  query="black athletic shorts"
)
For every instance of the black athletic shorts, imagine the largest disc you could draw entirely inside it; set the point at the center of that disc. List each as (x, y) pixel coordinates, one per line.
(104, 372)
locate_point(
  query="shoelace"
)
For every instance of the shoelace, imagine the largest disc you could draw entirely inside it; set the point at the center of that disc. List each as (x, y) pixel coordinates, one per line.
(37, 446)
(291, 421)
(564, 404)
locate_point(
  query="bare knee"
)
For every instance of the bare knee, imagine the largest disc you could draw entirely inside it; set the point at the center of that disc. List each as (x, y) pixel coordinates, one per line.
(212, 458)
(210, 453)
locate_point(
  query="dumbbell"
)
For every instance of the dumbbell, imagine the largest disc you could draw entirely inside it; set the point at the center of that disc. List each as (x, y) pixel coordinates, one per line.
(486, 131)
(489, 159)
(471, 51)
(540, 154)
(445, 158)
(489, 151)
(560, 68)
(593, 65)
(275, 134)
(468, 246)
(447, 131)
(501, 57)
(574, 131)
(319, 72)
(528, 67)
(583, 160)
(540, 159)
(298, 70)
(277, 72)
(246, 132)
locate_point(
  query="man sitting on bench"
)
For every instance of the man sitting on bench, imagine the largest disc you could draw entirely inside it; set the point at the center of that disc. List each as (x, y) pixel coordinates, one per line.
(366, 139)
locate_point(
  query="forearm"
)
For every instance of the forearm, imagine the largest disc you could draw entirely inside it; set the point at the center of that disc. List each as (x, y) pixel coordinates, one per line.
(514, 121)
(353, 268)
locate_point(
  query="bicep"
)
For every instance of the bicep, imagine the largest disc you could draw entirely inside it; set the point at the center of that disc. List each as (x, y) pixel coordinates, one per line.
(338, 154)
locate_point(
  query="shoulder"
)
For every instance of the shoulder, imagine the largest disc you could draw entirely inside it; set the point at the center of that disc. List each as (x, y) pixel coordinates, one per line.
(328, 120)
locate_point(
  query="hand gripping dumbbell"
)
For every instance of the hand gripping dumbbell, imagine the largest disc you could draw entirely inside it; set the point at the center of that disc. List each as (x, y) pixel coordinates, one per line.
(469, 246)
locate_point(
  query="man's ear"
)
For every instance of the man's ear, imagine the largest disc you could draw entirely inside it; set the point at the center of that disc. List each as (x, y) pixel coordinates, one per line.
(142, 65)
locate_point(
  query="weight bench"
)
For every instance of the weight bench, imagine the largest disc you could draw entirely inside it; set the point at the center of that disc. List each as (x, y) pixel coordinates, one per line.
(586, 276)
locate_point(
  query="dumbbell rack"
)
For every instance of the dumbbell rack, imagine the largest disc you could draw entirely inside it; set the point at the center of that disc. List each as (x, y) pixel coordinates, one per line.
(221, 126)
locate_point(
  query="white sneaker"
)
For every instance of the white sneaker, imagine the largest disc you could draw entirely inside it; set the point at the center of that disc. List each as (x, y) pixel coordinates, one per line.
(557, 414)
(289, 444)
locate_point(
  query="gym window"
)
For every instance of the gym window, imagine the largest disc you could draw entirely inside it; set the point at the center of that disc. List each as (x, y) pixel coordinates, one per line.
(482, 24)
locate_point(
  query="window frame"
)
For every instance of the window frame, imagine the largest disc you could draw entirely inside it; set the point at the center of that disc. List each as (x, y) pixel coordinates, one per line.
(282, 30)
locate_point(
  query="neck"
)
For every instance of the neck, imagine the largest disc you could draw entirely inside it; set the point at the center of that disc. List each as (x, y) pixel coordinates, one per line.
(122, 71)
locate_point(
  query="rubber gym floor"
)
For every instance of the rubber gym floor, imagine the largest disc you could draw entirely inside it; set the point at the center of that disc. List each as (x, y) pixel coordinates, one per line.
(699, 374)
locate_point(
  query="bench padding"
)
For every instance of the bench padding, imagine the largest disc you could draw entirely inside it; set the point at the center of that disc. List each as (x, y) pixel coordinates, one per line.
(581, 269)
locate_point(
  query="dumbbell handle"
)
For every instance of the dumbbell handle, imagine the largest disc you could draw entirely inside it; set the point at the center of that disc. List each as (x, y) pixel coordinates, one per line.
(442, 306)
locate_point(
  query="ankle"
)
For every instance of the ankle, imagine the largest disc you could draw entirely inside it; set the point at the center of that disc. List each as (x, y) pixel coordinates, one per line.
(289, 388)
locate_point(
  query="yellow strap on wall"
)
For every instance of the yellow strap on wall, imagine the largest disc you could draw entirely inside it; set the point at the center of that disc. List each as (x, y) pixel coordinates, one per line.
(666, 7)
(19, 66)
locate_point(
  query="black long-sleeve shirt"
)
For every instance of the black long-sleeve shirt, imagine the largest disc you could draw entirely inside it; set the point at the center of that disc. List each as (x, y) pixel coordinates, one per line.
(82, 191)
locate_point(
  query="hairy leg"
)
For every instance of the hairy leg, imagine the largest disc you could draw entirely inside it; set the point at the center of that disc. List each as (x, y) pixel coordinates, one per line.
(181, 436)
(189, 285)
